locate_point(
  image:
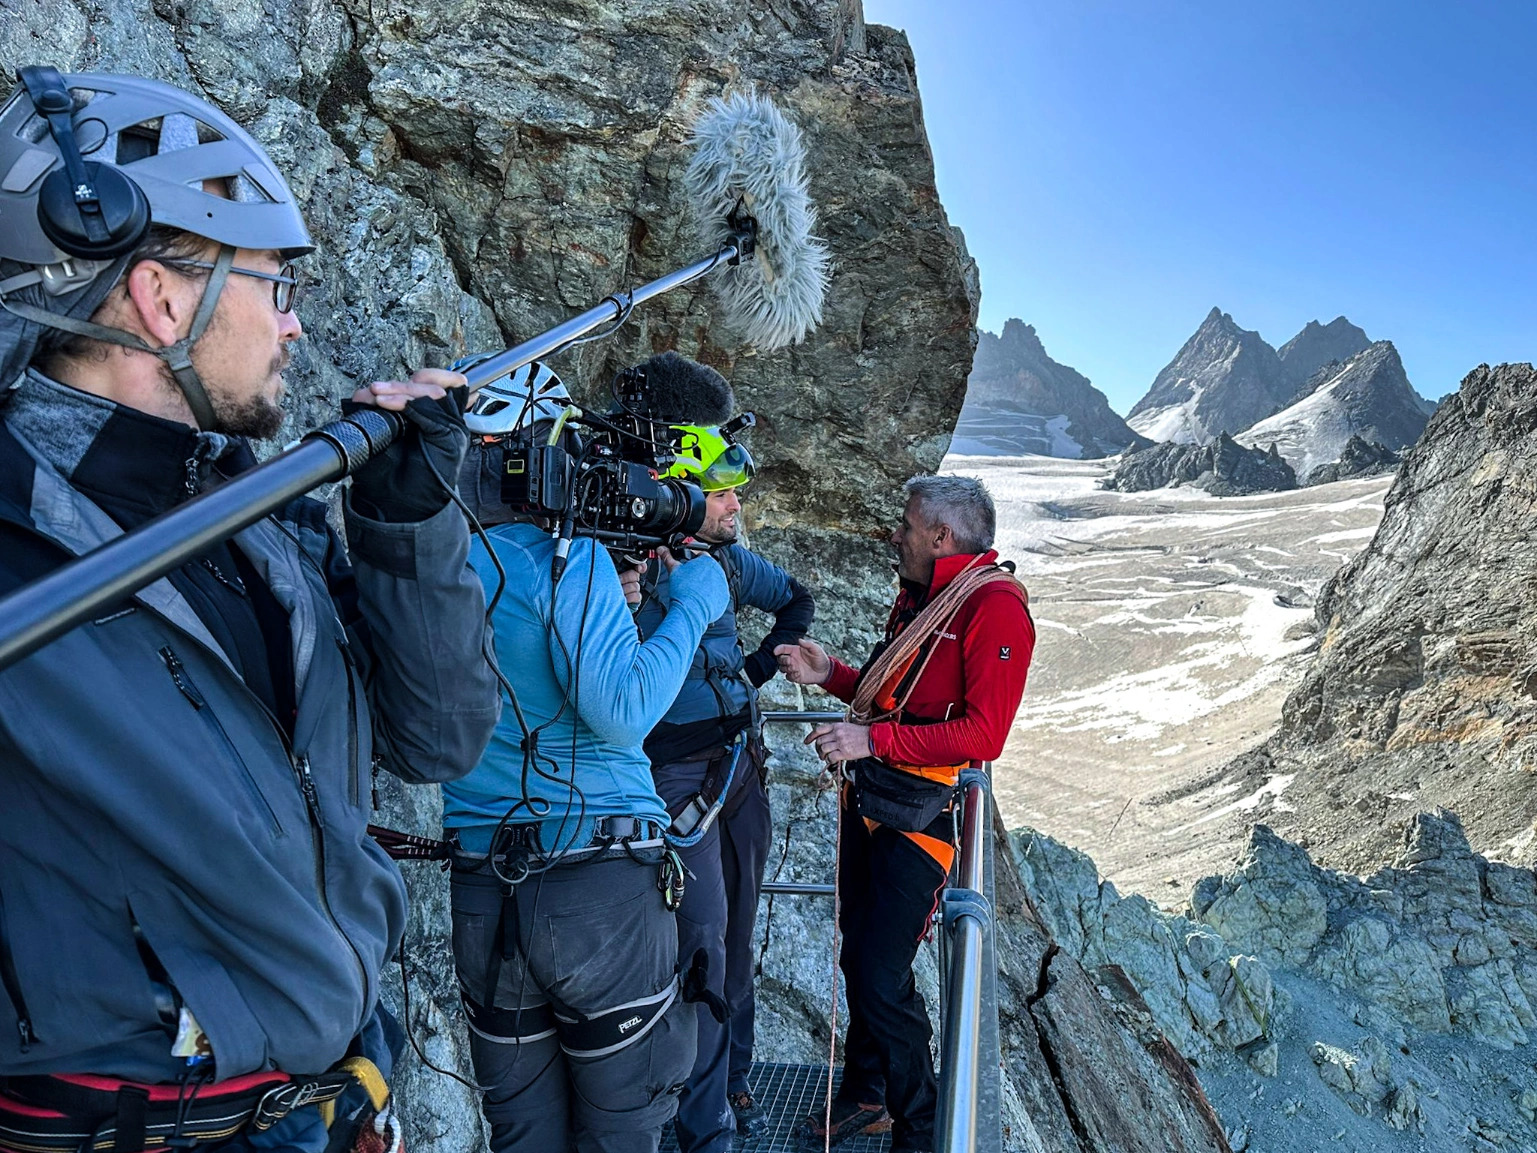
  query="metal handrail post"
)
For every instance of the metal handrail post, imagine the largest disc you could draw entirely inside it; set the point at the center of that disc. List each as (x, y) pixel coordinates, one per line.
(967, 919)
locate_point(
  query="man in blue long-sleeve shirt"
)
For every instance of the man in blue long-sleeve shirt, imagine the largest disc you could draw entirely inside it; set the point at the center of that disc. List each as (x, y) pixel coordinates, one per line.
(565, 950)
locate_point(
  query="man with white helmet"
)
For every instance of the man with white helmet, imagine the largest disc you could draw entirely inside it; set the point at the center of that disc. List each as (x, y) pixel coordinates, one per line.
(564, 892)
(193, 922)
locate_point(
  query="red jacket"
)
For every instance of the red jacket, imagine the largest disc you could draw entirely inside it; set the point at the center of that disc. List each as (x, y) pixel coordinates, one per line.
(973, 683)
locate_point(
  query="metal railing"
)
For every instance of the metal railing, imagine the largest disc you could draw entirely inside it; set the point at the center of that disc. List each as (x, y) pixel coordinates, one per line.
(968, 923)
(969, 1118)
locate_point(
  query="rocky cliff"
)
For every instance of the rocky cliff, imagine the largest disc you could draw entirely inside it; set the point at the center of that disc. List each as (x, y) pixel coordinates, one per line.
(1424, 691)
(1223, 468)
(1316, 346)
(1367, 396)
(1386, 1012)
(1019, 400)
(1224, 379)
(1358, 458)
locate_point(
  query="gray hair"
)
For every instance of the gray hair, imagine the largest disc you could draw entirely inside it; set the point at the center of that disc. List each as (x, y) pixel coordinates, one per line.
(961, 502)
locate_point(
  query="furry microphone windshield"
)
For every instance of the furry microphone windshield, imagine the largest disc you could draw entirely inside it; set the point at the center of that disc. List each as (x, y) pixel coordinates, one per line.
(749, 158)
(683, 391)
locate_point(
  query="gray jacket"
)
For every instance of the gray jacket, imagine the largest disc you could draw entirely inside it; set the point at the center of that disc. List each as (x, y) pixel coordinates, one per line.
(156, 824)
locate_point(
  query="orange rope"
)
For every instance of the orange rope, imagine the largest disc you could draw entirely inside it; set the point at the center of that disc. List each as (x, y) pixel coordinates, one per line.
(935, 618)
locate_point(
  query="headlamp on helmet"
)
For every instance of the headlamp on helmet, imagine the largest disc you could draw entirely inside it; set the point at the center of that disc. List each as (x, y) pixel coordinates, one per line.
(711, 456)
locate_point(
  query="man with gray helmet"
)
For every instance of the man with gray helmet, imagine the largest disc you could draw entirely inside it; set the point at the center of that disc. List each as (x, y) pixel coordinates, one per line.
(191, 912)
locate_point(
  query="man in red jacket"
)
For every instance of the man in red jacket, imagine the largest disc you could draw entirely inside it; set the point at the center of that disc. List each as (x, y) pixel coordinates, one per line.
(932, 700)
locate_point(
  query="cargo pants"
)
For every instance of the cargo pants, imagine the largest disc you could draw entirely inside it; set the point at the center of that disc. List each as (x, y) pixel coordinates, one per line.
(720, 906)
(569, 946)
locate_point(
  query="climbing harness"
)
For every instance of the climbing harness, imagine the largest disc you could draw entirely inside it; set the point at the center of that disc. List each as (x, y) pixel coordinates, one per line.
(691, 825)
(63, 1113)
(407, 847)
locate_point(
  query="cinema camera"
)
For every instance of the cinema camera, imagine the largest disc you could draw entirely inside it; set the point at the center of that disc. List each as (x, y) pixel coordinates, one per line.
(606, 476)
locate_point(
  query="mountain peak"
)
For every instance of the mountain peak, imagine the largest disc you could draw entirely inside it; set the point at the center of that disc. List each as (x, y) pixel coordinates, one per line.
(1315, 347)
(1223, 380)
(1017, 334)
(1366, 395)
(1019, 400)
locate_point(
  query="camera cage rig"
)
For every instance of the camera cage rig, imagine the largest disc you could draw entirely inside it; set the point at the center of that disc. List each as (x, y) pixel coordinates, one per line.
(605, 476)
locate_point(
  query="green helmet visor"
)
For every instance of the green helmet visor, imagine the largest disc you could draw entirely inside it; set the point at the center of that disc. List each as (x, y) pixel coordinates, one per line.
(731, 469)
(709, 459)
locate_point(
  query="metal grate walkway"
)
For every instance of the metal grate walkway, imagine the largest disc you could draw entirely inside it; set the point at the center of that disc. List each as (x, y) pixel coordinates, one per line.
(791, 1092)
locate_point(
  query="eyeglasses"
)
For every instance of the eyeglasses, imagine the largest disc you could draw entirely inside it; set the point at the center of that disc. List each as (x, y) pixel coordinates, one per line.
(285, 281)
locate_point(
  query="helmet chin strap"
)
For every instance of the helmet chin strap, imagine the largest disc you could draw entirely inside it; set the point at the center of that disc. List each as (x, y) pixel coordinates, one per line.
(177, 357)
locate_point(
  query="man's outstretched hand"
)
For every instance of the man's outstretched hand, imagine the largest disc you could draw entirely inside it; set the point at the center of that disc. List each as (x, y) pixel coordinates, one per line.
(804, 663)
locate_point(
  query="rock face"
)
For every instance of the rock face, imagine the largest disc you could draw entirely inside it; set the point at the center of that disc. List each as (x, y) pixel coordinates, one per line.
(1316, 1003)
(1222, 468)
(1369, 396)
(476, 171)
(1424, 691)
(1019, 401)
(1224, 379)
(1358, 458)
(1318, 345)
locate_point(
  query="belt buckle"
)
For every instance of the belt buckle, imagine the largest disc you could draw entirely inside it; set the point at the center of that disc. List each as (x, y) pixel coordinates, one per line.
(621, 828)
(275, 1104)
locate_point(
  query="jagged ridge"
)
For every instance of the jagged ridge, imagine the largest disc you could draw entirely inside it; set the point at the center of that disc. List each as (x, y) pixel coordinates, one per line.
(1019, 401)
(1425, 689)
(1223, 379)
(1365, 1006)
(1368, 396)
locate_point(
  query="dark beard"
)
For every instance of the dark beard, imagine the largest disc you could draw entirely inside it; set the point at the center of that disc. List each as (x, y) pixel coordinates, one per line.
(257, 418)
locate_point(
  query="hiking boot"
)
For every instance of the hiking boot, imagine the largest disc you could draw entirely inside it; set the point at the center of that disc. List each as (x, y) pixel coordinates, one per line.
(751, 1117)
(850, 1119)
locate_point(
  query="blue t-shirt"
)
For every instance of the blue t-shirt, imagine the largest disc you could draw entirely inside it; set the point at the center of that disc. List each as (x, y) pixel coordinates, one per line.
(583, 679)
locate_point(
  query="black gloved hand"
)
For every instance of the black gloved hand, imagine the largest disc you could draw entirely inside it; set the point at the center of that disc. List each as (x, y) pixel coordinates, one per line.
(398, 485)
(696, 988)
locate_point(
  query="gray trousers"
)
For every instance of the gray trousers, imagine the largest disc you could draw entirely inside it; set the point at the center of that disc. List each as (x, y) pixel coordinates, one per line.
(581, 940)
(720, 905)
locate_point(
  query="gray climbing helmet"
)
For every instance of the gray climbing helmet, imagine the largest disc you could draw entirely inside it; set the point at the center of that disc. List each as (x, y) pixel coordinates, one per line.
(168, 142)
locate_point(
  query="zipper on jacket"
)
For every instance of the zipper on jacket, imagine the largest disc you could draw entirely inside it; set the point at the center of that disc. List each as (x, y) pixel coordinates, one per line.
(183, 681)
(194, 478)
(354, 770)
(318, 837)
(12, 984)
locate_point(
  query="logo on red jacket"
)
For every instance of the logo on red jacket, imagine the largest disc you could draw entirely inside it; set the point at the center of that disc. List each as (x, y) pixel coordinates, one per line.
(1005, 652)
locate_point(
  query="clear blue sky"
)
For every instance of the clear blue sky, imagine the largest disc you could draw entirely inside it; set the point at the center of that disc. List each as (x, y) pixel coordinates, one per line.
(1121, 166)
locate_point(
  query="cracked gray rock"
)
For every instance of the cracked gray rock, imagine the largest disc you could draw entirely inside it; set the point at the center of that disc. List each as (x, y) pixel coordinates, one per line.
(1424, 691)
